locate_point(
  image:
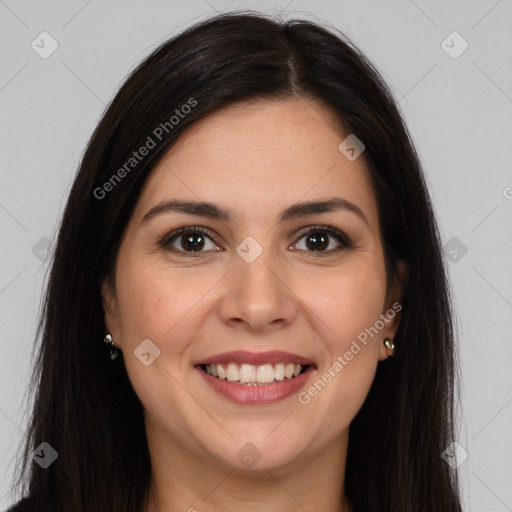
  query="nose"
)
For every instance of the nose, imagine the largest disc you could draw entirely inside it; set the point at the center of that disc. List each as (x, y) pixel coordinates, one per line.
(258, 296)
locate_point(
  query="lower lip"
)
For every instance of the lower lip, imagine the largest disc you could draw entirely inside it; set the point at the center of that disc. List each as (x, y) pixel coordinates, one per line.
(260, 394)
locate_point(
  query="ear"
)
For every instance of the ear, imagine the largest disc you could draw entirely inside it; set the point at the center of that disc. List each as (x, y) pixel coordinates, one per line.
(110, 310)
(392, 314)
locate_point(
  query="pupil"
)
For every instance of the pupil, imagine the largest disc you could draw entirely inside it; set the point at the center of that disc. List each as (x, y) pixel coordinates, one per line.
(188, 243)
(195, 241)
(317, 241)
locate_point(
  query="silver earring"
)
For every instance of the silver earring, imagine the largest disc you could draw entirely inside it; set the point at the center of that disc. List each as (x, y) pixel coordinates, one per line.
(390, 346)
(114, 352)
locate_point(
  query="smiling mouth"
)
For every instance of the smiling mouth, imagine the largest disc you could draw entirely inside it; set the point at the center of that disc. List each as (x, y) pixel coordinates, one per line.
(254, 375)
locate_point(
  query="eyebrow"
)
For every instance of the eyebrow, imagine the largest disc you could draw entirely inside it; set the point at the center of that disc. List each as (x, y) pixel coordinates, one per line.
(212, 211)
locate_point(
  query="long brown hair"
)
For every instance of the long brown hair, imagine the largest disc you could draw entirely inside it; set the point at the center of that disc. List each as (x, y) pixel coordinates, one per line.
(84, 404)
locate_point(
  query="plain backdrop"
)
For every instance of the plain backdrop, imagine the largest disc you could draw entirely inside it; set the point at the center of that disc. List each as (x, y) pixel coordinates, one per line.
(458, 107)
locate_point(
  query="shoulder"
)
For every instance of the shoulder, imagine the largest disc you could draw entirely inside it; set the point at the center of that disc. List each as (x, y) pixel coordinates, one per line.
(21, 506)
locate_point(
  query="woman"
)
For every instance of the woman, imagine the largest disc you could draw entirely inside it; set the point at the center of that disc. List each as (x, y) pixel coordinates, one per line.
(250, 234)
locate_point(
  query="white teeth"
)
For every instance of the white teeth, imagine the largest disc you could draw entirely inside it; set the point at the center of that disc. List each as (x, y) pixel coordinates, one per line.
(232, 373)
(279, 371)
(248, 373)
(266, 373)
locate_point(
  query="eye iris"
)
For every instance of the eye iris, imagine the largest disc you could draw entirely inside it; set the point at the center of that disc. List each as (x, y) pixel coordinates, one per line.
(192, 241)
(317, 241)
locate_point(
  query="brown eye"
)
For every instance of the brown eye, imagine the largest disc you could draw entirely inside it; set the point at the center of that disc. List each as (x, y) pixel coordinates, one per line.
(192, 241)
(188, 240)
(319, 239)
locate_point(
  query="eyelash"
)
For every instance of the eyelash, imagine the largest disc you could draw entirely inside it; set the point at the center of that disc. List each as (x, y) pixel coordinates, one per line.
(165, 241)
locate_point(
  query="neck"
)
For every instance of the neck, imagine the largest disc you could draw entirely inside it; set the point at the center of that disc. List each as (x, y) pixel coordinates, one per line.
(183, 481)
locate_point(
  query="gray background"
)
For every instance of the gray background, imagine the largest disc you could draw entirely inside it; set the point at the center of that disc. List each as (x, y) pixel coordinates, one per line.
(458, 110)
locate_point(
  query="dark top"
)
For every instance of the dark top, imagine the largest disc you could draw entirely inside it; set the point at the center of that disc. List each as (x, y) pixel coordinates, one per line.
(21, 506)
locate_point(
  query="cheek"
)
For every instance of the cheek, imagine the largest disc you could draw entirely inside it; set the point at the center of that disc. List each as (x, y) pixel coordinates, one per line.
(352, 306)
(158, 305)
(347, 301)
(154, 301)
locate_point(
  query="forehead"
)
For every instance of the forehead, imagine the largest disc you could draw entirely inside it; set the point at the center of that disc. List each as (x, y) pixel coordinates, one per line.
(250, 156)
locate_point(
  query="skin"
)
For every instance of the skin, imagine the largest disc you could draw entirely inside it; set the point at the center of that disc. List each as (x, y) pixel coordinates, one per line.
(255, 160)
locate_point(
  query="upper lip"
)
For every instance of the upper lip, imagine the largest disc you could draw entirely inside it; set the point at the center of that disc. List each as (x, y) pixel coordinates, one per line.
(256, 358)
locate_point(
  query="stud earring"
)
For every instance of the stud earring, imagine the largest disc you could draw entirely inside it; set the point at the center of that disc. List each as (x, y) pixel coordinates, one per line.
(114, 352)
(390, 346)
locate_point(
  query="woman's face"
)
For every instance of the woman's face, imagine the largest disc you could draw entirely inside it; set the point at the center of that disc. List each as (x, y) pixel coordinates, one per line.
(254, 281)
